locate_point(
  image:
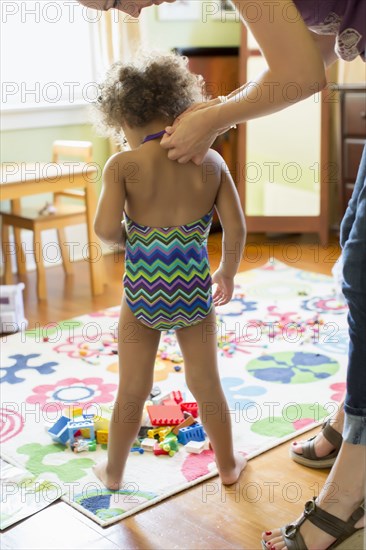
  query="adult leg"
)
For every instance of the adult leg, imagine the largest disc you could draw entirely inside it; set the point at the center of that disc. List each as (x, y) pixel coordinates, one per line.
(348, 475)
(354, 290)
(137, 348)
(199, 348)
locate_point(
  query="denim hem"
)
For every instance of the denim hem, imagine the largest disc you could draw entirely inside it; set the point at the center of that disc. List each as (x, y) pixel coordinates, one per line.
(354, 430)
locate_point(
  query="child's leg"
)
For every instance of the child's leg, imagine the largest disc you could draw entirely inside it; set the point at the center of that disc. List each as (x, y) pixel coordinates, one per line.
(199, 348)
(137, 348)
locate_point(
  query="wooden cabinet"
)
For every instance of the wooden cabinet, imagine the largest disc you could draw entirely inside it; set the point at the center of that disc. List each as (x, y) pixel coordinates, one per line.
(352, 104)
(219, 67)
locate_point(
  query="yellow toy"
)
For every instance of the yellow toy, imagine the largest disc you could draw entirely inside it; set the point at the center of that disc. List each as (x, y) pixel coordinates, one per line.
(102, 437)
(161, 432)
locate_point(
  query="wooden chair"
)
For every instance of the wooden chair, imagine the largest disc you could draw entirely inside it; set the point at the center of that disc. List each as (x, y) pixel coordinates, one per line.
(65, 215)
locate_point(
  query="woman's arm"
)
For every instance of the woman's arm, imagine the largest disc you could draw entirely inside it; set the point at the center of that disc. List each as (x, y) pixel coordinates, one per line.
(108, 219)
(295, 70)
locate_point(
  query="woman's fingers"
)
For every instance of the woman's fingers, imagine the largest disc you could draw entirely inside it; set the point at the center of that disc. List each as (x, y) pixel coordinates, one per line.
(199, 158)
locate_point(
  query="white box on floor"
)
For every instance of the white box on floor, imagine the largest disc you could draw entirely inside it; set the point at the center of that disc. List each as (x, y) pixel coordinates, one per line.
(12, 309)
(195, 447)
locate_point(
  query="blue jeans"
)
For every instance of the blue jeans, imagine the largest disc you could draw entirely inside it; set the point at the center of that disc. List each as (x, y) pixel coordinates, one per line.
(353, 243)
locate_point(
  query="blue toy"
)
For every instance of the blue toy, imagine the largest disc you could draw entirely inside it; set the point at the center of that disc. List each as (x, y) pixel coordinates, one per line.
(75, 426)
(191, 433)
(59, 431)
(137, 450)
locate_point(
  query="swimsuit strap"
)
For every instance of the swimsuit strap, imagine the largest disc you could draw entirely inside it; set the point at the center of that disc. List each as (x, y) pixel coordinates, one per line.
(150, 137)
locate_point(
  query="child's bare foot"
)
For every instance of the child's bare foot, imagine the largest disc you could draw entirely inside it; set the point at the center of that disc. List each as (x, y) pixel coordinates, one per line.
(231, 476)
(101, 472)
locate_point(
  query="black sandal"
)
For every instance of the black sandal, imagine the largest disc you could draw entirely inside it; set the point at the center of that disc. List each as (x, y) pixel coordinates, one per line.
(348, 537)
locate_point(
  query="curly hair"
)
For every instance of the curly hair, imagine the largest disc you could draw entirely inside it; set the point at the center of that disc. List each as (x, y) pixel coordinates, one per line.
(154, 86)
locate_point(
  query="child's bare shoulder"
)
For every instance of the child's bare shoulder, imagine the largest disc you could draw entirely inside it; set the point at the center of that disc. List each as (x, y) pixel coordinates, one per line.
(118, 164)
(213, 158)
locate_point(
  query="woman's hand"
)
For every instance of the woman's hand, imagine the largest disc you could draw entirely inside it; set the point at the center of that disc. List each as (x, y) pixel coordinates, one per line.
(191, 135)
(224, 290)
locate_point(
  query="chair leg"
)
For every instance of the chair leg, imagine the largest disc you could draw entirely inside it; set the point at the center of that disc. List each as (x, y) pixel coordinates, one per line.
(41, 272)
(21, 258)
(6, 248)
(66, 263)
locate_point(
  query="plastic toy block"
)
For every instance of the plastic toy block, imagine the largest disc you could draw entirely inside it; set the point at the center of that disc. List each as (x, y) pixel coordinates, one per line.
(87, 416)
(155, 392)
(159, 433)
(101, 423)
(177, 396)
(75, 426)
(191, 433)
(137, 450)
(191, 408)
(148, 444)
(59, 431)
(160, 415)
(186, 422)
(170, 444)
(158, 399)
(158, 451)
(73, 410)
(169, 403)
(102, 437)
(195, 447)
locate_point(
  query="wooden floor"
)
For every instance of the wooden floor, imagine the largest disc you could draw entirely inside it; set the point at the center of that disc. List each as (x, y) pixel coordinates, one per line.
(272, 489)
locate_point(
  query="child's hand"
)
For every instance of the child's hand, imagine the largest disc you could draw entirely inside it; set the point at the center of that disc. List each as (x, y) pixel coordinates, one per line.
(224, 290)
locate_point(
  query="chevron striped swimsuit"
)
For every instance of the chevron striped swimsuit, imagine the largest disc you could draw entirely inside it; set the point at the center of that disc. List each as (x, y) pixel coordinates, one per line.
(167, 277)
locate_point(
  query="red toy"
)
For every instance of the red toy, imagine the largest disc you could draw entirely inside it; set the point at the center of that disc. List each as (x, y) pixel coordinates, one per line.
(169, 402)
(177, 396)
(191, 408)
(162, 415)
(159, 451)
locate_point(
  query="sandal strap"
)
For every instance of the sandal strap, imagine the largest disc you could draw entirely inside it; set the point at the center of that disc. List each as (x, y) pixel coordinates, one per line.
(308, 449)
(293, 543)
(334, 437)
(332, 525)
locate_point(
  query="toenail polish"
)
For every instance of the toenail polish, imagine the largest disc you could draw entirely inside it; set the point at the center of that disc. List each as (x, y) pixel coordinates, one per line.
(268, 533)
(294, 443)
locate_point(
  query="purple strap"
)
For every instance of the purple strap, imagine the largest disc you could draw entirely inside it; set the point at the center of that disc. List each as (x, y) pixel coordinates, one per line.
(150, 137)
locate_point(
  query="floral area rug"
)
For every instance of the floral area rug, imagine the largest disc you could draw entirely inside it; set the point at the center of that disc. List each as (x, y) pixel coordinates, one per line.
(282, 347)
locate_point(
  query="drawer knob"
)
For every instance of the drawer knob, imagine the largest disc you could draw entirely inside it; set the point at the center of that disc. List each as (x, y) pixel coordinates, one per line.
(363, 114)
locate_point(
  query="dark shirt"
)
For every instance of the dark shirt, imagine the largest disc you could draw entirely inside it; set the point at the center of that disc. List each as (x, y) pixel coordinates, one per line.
(344, 18)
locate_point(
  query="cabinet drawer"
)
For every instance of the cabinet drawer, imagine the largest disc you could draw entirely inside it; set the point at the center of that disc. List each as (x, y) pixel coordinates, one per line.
(352, 155)
(355, 114)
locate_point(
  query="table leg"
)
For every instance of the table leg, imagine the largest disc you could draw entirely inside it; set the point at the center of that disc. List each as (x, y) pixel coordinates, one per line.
(5, 244)
(96, 260)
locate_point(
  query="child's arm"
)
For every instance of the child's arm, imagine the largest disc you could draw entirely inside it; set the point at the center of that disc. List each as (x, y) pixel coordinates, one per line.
(233, 237)
(108, 219)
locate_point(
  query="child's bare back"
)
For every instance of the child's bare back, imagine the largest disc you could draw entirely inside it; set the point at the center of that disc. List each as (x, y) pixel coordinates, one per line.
(162, 193)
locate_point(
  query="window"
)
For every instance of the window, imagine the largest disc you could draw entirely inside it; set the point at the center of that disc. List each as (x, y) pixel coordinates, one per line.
(47, 62)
